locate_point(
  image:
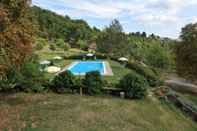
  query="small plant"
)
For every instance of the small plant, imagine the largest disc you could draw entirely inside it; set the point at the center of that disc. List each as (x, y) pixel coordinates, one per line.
(134, 85)
(66, 47)
(52, 47)
(65, 80)
(93, 82)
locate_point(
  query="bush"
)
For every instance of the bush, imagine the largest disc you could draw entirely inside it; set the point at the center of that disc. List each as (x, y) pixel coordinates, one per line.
(134, 85)
(65, 80)
(32, 78)
(40, 43)
(151, 77)
(66, 47)
(11, 79)
(52, 47)
(28, 78)
(60, 43)
(93, 82)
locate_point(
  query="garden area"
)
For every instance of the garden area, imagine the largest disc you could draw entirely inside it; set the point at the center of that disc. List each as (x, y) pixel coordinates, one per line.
(59, 73)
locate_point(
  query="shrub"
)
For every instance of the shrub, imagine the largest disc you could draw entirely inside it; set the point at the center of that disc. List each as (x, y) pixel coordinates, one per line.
(93, 82)
(32, 78)
(11, 79)
(65, 80)
(66, 47)
(60, 43)
(134, 85)
(151, 77)
(28, 78)
(52, 47)
(40, 43)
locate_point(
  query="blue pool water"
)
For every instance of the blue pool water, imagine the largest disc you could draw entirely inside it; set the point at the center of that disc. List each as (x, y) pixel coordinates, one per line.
(87, 66)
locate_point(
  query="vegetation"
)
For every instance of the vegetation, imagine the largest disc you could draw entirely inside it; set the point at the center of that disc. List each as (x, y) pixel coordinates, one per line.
(28, 78)
(51, 112)
(187, 61)
(93, 82)
(53, 26)
(16, 33)
(65, 80)
(134, 85)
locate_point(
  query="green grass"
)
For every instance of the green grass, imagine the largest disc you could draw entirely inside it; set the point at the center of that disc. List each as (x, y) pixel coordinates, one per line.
(118, 70)
(47, 54)
(190, 97)
(52, 112)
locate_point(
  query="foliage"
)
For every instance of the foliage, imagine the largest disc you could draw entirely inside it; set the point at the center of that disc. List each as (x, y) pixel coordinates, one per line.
(65, 80)
(54, 26)
(82, 44)
(16, 33)
(52, 47)
(93, 82)
(151, 77)
(28, 78)
(187, 52)
(60, 43)
(112, 40)
(66, 47)
(134, 85)
(40, 43)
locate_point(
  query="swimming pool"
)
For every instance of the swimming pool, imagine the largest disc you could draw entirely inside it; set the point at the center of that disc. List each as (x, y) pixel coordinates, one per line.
(82, 67)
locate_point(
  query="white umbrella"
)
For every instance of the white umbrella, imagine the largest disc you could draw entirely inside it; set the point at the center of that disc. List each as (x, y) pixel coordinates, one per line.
(123, 59)
(89, 54)
(52, 69)
(57, 58)
(45, 62)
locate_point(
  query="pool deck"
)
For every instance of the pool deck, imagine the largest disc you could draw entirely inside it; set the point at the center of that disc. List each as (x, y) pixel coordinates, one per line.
(108, 70)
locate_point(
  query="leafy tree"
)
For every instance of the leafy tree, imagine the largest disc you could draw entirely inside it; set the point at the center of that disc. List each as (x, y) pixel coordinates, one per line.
(82, 44)
(134, 85)
(66, 47)
(93, 82)
(65, 80)
(112, 40)
(40, 43)
(187, 52)
(60, 43)
(16, 33)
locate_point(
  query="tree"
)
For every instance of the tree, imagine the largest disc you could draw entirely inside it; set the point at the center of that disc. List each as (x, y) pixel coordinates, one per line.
(16, 33)
(60, 43)
(82, 44)
(134, 85)
(93, 82)
(187, 52)
(112, 40)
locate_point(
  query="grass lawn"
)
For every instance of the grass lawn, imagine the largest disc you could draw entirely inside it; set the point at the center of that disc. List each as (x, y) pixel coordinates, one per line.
(47, 54)
(190, 97)
(52, 112)
(118, 70)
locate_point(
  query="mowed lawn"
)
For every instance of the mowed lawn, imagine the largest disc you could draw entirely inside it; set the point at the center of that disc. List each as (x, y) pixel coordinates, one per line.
(52, 112)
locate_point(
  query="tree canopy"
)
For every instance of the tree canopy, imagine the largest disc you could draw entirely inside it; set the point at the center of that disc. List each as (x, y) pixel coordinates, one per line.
(187, 52)
(16, 32)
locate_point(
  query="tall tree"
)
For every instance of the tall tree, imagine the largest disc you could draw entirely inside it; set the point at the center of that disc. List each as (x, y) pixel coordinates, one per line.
(16, 32)
(187, 51)
(112, 40)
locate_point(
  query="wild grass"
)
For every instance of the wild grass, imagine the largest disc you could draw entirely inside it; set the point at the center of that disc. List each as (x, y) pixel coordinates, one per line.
(52, 112)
